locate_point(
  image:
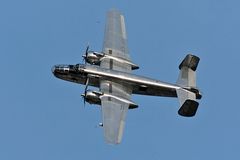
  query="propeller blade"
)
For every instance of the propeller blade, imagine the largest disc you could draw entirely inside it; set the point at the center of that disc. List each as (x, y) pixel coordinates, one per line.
(84, 60)
(84, 100)
(86, 53)
(85, 91)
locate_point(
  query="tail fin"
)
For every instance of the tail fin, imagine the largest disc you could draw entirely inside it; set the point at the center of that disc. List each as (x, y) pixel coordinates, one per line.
(188, 93)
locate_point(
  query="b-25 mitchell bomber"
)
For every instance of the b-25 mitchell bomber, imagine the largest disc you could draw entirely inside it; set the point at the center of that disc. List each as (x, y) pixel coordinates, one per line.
(110, 71)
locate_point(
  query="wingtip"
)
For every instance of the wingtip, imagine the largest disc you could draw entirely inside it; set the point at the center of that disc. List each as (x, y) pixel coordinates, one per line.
(115, 10)
(113, 143)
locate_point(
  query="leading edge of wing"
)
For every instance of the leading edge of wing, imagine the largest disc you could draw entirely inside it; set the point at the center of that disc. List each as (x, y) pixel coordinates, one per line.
(114, 114)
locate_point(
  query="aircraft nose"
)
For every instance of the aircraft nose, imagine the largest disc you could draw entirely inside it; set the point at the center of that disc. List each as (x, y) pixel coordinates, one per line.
(53, 69)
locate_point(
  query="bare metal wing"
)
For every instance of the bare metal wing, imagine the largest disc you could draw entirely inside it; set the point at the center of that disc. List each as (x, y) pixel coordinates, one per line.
(114, 108)
(114, 114)
(115, 34)
(115, 42)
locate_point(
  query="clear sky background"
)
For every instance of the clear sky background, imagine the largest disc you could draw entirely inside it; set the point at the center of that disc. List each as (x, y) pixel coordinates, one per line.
(42, 117)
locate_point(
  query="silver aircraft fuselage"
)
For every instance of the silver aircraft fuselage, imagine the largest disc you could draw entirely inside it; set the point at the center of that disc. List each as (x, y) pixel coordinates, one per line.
(140, 84)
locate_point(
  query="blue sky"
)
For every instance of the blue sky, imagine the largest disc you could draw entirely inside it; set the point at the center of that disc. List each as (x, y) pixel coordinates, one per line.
(42, 117)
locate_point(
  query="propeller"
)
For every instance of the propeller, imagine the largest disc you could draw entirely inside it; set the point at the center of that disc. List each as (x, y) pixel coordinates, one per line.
(86, 54)
(85, 91)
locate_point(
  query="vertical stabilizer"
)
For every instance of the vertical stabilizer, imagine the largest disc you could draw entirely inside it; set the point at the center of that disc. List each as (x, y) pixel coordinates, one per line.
(187, 76)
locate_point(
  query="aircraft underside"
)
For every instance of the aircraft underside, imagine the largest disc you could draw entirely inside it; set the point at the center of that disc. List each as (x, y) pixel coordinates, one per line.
(111, 72)
(156, 89)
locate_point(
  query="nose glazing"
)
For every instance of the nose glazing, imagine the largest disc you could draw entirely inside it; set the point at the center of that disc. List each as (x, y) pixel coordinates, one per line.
(53, 69)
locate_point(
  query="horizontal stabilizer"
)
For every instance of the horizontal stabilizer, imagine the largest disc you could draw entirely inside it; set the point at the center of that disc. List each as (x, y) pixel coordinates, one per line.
(189, 108)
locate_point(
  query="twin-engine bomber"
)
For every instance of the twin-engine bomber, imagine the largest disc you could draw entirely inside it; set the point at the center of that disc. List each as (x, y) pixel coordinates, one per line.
(110, 71)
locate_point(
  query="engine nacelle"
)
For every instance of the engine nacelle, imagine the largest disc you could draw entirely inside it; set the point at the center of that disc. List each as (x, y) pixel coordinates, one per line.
(93, 57)
(92, 97)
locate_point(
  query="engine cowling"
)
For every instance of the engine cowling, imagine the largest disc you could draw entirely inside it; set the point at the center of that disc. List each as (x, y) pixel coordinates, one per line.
(92, 97)
(93, 57)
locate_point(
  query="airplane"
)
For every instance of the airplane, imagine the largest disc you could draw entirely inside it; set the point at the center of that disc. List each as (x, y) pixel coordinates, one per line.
(111, 72)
